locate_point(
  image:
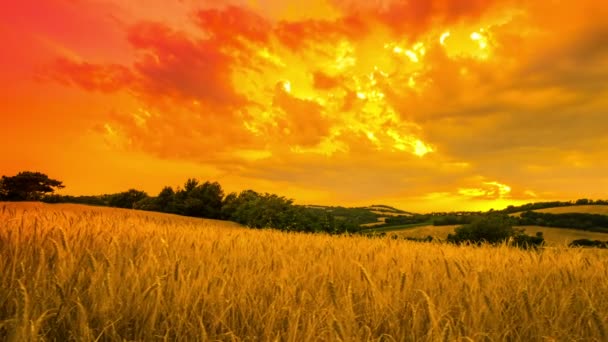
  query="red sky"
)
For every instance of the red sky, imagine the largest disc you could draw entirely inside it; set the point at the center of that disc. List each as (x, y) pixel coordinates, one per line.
(422, 104)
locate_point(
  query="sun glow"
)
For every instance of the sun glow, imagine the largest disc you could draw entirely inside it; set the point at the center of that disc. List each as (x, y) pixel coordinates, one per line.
(443, 37)
(287, 86)
(481, 40)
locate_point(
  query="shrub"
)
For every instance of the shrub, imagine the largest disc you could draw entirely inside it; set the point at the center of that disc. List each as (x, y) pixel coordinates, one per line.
(491, 229)
(588, 243)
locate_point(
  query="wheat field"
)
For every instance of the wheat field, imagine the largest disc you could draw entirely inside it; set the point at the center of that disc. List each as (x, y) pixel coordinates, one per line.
(75, 273)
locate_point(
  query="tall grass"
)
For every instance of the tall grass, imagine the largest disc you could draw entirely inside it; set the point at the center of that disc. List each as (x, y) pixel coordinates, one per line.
(87, 274)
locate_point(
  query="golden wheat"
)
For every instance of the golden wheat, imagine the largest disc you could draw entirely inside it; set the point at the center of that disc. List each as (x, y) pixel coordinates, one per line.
(79, 273)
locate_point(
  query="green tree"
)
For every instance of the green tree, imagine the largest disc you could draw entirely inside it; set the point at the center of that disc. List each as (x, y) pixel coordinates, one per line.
(126, 199)
(490, 229)
(27, 186)
(198, 200)
(166, 200)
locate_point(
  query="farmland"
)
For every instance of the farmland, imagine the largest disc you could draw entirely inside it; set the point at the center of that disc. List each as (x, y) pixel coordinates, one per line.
(70, 272)
(583, 209)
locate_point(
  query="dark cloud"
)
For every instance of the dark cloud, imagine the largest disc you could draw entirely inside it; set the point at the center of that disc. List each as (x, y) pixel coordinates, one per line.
(92, 77)
(232, 23)
(173, 65)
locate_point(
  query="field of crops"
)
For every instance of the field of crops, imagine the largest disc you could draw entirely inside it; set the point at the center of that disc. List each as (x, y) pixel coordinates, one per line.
(80, 273)
(583, 209)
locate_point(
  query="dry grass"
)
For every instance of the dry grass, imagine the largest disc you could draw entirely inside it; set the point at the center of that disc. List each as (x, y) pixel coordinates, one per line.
(84, 274)
(583, 209)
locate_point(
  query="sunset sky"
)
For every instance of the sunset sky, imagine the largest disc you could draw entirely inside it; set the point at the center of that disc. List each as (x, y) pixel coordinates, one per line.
(422, 104)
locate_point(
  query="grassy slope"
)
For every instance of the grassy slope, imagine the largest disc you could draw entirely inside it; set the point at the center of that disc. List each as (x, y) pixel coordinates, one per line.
(584, 209)
(82, 273)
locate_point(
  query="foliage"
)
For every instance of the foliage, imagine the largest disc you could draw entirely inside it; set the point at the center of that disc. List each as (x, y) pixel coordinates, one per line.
(527, 241)
(271, 211)
(448, 220)
(404, 220)
(356, 215)
(588, 243)
(424, 239)
(494, 229)
(27, 186)
(590, 222)
(199, 200)
(126, 199)
(491, 229)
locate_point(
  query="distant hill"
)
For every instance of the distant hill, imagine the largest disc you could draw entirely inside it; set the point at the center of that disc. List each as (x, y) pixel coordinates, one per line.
(370, 216)
(385, 210)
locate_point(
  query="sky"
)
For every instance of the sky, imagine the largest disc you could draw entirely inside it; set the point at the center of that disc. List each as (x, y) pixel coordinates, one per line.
(426, 105)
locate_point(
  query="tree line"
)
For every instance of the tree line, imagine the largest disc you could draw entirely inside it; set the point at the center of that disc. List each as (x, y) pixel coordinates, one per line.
(264, 210)
(582, 221)
(196, 199)
(207, 200)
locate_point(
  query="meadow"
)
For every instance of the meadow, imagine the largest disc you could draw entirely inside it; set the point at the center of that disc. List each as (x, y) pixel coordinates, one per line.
(77, 273)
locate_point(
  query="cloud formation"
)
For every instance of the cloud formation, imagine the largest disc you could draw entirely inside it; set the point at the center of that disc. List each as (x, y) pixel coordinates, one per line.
(356, 101)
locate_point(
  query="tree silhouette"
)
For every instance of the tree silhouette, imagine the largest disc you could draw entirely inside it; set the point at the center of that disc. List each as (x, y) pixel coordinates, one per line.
(27, 186)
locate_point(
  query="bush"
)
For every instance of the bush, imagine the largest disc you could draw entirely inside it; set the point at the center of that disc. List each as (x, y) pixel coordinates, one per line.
(495, 229)
(490, 229)
(588, 243)
(526, 241)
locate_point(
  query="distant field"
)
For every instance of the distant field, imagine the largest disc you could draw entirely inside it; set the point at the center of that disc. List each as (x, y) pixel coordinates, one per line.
(563, 236)
(77, 273)
(440, 232)
(389, 213)
(553, 236)
(402, 227)
(381, 220)
(584, 209)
